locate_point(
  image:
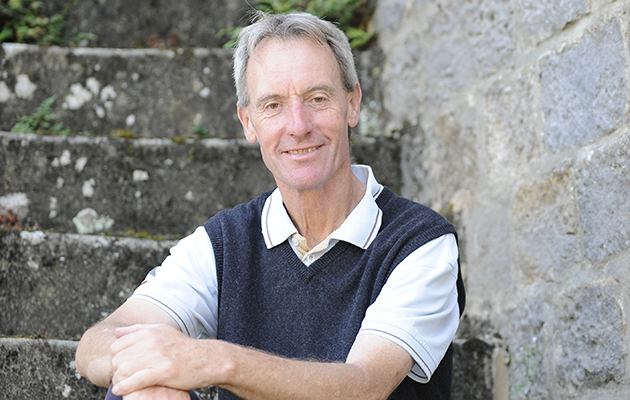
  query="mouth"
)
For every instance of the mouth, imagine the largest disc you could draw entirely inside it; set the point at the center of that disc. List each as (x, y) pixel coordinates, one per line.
(303, 151)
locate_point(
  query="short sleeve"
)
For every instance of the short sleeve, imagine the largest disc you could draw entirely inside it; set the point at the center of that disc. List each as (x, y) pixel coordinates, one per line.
(417, 307)
(185, 286)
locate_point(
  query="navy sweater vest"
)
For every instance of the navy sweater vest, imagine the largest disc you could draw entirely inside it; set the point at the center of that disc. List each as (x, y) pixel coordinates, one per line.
(269, 300)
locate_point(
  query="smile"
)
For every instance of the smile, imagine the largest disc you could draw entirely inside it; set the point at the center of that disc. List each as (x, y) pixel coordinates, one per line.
(303, 151)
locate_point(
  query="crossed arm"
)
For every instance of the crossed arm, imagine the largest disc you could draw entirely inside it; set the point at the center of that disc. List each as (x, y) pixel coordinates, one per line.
(139, 348)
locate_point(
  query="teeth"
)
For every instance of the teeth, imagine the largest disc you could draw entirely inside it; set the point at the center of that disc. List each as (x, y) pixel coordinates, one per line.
(303, 151)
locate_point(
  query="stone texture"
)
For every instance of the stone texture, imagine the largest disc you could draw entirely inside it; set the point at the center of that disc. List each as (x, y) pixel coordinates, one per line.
(153, 185)
(369, 65)
(44, 369)
(150, 92)
(58, 285)
(120, 23)
(542, 205)
(522, 320)
(488, 259)
(472, 39)
(584, 88)
(603, 190)
(546, 225)
(442, 161)
(591, 326)
(540, 20)
(512, 124)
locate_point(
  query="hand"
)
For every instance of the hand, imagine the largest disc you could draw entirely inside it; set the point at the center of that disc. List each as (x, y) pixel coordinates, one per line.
(144, 356)
(158, 393)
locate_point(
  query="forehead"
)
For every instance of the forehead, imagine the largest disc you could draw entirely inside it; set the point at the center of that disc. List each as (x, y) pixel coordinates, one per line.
(276, 61)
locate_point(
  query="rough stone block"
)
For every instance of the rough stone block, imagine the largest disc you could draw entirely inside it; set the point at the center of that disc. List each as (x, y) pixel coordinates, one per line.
(44, 369)
(546, 223)
(522, 320)
(153, 185)
(540, 20)
(591, 352)
(120, 23)
(512, 125)
(472, 40)
(603, 189)
(149, 92)
(58, 285)
(443, 160)
(584, 88)
(488, 259)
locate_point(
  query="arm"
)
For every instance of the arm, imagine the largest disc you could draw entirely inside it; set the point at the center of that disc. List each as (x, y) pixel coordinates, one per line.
(147, 356)
(93, 356)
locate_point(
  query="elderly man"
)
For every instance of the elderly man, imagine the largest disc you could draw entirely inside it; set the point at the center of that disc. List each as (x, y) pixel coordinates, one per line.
(329, 286)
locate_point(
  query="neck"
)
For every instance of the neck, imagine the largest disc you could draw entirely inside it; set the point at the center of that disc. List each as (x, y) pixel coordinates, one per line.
(318, 212)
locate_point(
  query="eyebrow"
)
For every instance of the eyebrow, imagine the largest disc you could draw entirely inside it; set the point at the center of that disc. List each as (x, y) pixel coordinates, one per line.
(323, 87)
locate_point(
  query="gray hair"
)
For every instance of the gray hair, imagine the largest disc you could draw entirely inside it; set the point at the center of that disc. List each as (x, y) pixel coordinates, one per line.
(291, 26)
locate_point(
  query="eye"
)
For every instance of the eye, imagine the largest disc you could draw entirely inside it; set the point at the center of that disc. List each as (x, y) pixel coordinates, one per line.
(273, 106)
(318, 99)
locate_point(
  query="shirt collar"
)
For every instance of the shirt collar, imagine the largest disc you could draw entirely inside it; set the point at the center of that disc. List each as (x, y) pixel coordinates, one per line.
(359, 228)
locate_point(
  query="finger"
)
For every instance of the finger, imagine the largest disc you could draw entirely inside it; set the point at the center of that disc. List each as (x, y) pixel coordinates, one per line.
(140, 380)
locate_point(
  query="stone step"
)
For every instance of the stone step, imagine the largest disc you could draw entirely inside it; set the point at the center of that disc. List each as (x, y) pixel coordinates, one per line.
(57, 285)
(44, 369)
(144, 92)
(131, 24)
(148, 92)
(157, 186)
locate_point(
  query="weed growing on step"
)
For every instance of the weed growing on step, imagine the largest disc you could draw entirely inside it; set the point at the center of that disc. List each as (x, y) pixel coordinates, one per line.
(352, 16)
(24, 21)
(200, 132)
(42, 121)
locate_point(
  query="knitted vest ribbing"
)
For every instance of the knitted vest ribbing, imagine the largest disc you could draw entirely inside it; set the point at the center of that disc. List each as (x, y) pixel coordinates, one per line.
(268, 299)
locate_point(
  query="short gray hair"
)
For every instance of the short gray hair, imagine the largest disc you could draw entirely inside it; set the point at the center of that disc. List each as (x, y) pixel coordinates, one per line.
(291, 26)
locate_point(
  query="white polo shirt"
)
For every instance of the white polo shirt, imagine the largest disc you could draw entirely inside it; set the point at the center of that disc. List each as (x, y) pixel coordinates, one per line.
(416, 309)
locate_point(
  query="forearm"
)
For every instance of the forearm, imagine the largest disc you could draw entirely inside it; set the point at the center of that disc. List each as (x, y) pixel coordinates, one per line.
(252, 374)
(93, 356)
(261, 376)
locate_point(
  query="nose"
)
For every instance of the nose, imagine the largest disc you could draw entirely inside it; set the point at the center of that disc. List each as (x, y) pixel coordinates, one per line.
(300, 123)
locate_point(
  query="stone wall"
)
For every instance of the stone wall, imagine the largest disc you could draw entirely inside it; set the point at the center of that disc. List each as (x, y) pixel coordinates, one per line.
(514, 119)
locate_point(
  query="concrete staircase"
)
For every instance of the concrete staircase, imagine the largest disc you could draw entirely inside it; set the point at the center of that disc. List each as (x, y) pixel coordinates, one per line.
(103, 208)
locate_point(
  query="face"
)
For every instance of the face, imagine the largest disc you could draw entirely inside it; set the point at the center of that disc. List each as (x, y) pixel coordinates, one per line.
(299, 112)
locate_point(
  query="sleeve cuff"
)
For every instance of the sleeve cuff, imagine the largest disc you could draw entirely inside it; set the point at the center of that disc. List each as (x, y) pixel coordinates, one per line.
(425, 360)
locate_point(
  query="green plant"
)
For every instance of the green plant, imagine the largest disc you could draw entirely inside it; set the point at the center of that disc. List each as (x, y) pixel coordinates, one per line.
(200, 131)
(352, 16)
(24, 21)
(532, 357)
(42, 121)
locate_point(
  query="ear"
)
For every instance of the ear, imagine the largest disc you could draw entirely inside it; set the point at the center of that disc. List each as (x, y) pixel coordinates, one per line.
(246, 122)
(354, 103)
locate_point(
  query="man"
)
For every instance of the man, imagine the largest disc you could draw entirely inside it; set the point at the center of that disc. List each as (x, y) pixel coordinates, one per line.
(329, 286)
